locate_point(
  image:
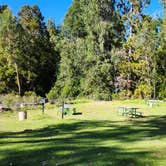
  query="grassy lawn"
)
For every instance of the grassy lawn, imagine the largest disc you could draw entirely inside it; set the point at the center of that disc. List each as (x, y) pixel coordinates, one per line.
(98, 137)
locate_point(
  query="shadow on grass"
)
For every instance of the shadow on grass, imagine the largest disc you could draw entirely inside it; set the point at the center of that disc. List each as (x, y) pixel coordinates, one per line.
(82, 143)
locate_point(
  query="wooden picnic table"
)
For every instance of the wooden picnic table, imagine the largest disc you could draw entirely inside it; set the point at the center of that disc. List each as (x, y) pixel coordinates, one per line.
(129, 111)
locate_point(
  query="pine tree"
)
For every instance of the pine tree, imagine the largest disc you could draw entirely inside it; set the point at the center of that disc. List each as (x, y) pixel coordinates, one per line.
(73, 21)
(132, 14)
(162, 55)
(11, 43)
(41, 58)
(104, 31)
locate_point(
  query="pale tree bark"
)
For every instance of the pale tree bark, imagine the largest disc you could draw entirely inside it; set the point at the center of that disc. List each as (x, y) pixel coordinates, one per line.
(18, 79)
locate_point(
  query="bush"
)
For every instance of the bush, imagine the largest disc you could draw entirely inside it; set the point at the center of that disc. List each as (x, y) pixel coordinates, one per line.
(143, 91)
(69, 90)
(122, 95)
(30, 97)
(162, 92)
(11, 101)
(101, 96)
(53, 93)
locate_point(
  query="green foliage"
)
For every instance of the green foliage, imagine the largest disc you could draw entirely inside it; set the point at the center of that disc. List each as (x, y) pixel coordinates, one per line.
(70, 90)
(11, 101)
(11, 46)
(162, 91)
(73, 21)
(30, 97)
(71, 70)
(53, 93)
(122, 95)
(143, 91)
(41, 53)
(86, 68)
(139, 59)
(28, 53)
(105, 49)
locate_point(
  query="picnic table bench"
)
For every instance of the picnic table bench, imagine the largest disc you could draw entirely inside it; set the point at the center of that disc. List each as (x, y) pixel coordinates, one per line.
(152, 103)
(67, 110)
(129, 111)
(4, 109)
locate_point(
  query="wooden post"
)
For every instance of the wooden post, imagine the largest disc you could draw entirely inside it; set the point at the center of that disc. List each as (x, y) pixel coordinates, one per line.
(42, 108)
(62, 109)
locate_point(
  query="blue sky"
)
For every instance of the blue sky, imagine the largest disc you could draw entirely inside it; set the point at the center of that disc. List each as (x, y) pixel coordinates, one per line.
(56, 9)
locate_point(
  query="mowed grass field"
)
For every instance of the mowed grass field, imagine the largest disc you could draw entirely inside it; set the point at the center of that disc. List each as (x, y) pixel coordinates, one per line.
(97, 137)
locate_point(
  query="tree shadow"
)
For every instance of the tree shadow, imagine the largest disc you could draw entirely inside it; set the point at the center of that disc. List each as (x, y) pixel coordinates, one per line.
(81, 143)
(155, 125)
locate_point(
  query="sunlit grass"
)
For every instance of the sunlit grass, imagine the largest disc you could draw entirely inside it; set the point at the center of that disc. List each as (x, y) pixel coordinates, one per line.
(99, 136)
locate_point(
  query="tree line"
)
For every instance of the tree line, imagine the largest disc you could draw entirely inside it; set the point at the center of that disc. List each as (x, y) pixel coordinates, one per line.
(105, 49)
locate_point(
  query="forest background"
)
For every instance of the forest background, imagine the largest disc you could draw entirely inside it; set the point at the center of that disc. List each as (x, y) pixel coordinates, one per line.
(105, 50)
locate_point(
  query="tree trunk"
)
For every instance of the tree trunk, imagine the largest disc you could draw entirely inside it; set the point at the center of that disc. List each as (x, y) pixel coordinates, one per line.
(154, 89)
(62, 109)
(18, 79)
(130, 47)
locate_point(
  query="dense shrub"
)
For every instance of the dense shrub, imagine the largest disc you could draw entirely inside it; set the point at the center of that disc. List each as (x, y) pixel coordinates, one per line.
(53, 94)
(162, 92)
(30, 97)
(143, 91)
(122, 95)
(13, 101)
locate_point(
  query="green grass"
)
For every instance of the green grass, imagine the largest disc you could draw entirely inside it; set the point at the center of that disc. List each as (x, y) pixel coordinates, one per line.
(98, 137)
